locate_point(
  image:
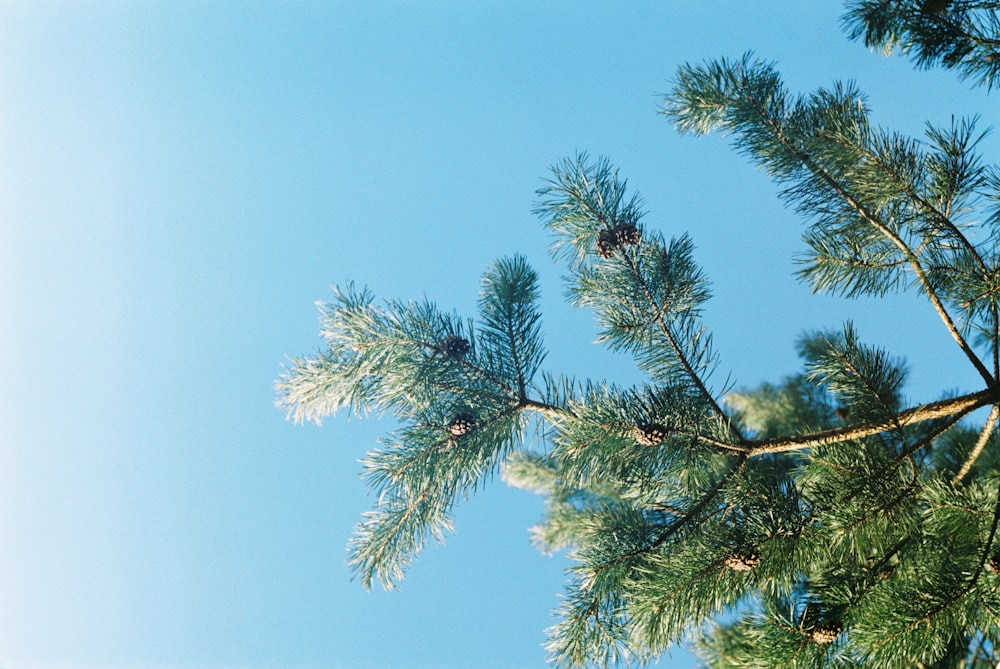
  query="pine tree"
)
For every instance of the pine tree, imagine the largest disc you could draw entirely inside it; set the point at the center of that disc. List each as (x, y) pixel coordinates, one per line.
(818, 521)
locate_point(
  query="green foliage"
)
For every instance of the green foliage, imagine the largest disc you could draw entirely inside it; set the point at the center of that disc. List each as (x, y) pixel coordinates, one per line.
(859, 376)
(821, 521)
(397, 358)
(661, 329)
(957, 34)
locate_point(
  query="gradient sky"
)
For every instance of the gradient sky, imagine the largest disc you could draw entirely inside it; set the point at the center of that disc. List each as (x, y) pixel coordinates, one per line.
(179, 183)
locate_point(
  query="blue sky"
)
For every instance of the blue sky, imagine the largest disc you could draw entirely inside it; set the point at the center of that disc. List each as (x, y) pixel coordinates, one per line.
(181, 181)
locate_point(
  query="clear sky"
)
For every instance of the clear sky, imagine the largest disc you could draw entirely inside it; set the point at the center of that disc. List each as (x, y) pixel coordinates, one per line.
(181, 180)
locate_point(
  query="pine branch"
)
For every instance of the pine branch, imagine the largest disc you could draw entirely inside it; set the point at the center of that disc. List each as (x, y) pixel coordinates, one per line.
(988, 547)
(678, 525)
(896, 240)
(515, 356)
(599, 233)
(508, 325)
(957, 406)
(984, 437)
(959, 34)
(387, 358)
(418, 481)
(865, 378)
(956, 172)
(954, 598)
(748, 98)
(892, 175)
(553, 414)
(371, 558)
(583, 638)
(508, 307)
(658, 311)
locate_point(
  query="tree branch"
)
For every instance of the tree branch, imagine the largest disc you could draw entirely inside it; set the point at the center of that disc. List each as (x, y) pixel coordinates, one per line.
(915, 265)
(435, 347)
(675, 347)
(960, 406)
(875, 222)
(969, 586)
(984, 437)
(552, 413)
(989, 542)
(940, 216)
(687, 518)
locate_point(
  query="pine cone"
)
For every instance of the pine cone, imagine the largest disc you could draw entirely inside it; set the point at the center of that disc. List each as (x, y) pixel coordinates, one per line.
(454, 346)
(743, 561)
(994, 562)
(462, 424)
(626, 234)
(650, 434)
(826, 633)
(606, 244)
